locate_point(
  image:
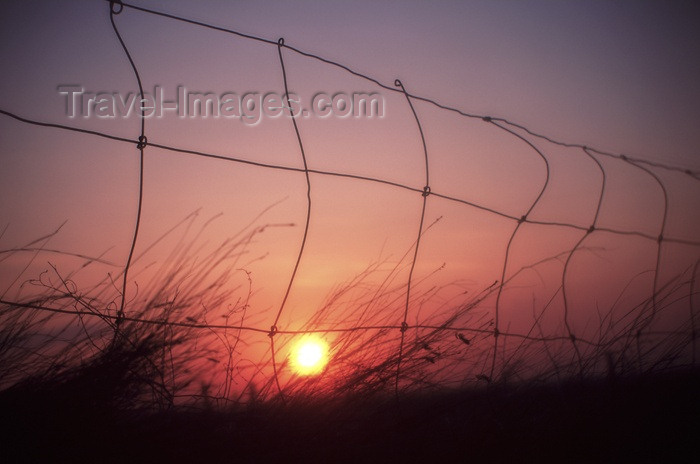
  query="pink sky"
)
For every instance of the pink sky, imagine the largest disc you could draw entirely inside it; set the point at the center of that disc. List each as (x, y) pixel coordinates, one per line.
(622, 77)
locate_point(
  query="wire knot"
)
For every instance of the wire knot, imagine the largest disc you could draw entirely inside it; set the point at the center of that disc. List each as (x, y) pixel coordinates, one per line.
(426, 190)
(280, 41)
(404, 327)
(398, 83)
(114, 3)
(591, 229)
(573, 338)
(522, 219)
(496, 333)
(623, 157)
(661, 238)
(487, 118)
(272, 332)
(143, 141)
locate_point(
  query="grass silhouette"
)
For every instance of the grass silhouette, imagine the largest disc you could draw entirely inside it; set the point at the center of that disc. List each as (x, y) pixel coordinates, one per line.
(163, 383)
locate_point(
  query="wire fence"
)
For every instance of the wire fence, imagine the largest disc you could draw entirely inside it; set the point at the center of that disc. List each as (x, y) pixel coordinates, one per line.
(643, 317)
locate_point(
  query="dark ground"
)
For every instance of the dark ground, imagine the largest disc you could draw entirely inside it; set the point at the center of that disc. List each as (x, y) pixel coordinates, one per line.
(652, 419)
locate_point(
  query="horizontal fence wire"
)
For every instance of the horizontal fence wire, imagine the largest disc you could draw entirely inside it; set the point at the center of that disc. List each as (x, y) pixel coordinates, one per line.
(370, 179)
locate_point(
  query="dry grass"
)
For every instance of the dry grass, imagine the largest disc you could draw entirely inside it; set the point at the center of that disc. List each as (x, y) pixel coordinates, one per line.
(161, 383)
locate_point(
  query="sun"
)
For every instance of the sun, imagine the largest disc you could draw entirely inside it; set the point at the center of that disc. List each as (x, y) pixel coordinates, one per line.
(309, 356)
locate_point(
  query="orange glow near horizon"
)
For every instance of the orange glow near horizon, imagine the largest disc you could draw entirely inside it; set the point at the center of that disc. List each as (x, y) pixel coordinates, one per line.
(309, 356)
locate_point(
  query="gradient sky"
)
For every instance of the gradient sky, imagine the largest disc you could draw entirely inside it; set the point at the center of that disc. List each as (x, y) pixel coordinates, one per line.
(619, 76)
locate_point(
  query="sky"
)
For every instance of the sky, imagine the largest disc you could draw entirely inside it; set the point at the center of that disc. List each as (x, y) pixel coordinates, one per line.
(622, 77)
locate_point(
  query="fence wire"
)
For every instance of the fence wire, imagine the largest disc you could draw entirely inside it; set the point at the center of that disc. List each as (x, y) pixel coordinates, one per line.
(521, 133)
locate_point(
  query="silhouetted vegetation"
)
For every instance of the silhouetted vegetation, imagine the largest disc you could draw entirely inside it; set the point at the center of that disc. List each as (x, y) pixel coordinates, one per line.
(82, 382)
(641, 419)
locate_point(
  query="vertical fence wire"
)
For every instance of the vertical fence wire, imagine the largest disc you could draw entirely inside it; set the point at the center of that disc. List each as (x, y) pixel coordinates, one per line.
(655, 283)
(426, 192)
(273, 329)
(115, 8)
(576, 247)
(496, 329)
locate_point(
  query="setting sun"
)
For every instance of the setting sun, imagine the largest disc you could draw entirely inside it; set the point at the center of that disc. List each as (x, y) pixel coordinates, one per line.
(309, 356)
